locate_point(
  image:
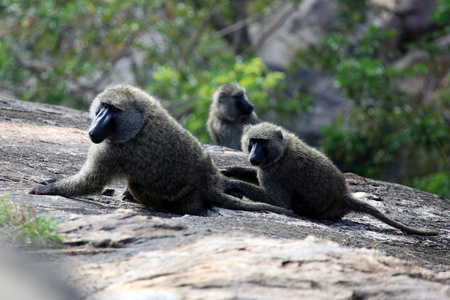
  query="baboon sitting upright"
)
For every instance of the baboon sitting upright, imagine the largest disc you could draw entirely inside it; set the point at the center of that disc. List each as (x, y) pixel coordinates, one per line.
(298, 177)
(230, 110)
(165, 166)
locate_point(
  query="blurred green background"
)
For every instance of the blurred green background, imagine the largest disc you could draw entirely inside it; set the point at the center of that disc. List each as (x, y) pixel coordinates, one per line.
(62, 52)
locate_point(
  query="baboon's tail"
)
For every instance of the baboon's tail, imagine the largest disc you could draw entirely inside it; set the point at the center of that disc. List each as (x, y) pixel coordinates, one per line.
(357, 205)
(228, 201)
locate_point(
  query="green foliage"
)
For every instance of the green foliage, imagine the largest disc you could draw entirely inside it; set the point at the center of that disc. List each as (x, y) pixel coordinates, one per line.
(438, 183)
(368, 138)
(56, 51)
(374, 246)
(442, 13)
(386, 128)
(261, 86)
(23, 226)
(55, 43)
(352, 11)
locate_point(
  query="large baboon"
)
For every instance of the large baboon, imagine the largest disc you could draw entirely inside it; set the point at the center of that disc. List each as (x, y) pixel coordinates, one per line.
(230, 110)
(165, 166)
(297, 177)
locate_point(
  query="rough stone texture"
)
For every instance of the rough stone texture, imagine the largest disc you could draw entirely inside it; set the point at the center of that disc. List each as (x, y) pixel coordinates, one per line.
(209, 265)
(119, 250)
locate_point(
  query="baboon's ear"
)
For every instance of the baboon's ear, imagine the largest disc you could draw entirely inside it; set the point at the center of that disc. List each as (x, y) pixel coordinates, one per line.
(280, 134)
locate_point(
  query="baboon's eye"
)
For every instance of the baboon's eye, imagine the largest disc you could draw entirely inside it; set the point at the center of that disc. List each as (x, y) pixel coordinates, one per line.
(113, 108)
(265, 151)
(250, 145)
(222, 96)
(102, 106)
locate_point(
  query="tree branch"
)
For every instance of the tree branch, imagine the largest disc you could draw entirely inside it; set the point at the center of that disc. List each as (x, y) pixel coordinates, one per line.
(277, 25)
(227, 31)
(196, 39)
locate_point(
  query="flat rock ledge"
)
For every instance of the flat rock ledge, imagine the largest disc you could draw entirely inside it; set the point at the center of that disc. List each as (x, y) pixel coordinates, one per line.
(165, 259)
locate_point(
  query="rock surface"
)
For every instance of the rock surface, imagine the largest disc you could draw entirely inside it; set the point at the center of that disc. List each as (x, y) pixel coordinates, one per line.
(119, 250)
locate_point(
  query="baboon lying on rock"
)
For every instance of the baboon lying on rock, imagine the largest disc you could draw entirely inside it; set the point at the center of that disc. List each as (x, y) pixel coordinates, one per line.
(297, 177)
(230, 110)
(165, 166)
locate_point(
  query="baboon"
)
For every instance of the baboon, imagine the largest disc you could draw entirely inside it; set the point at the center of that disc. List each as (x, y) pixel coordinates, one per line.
(165, 166)
(298, 177)
(230, 110)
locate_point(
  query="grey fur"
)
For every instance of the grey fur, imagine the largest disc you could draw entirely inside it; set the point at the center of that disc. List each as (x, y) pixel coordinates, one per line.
(165, 166)
(225, 122)
(301, 178)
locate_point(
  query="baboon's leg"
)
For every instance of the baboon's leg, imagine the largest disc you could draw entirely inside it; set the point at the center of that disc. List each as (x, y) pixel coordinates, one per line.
(251, 191)
(247, 174)
(227, 201)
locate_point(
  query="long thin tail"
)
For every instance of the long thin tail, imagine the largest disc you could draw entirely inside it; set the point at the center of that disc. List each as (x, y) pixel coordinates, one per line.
(228, 201)
(362, 207)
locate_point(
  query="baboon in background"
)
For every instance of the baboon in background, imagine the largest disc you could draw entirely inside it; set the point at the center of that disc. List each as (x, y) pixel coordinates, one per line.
(165, 166)
(230, 110)
(297, 177)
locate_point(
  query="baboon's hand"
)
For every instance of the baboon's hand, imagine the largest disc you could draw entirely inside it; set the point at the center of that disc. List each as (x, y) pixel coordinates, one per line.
(248, 174)
(44, 190)
(127, 196)
(227, 171)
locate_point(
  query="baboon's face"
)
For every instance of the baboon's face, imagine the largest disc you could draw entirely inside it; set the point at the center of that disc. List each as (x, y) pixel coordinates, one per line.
(262, 153)
(233, 103)
(258, 152)
(118, 115)
(104, 125)
(263, 143)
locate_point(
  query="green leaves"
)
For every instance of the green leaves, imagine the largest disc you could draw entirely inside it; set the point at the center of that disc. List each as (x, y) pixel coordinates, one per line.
(436, 183)
(63, 45)
(387, 128)
(56, 51)
(193, 88)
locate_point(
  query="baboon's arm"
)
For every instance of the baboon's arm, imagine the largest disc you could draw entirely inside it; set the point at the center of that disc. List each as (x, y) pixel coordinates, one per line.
(247, 174)
(90, 179)
(251, 191)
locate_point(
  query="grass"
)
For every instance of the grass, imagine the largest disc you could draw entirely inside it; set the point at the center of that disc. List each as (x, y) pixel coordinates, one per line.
(354, 243)
(20, 224)
(375, 246)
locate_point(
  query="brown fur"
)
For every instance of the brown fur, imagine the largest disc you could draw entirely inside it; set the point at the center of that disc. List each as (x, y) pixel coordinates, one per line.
(298, 177)
(225, 121)
(165, 166)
